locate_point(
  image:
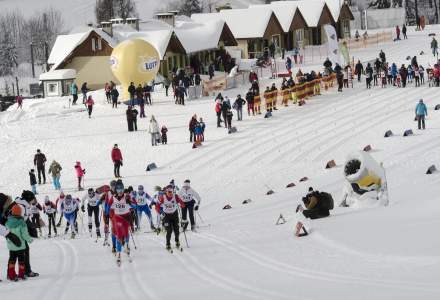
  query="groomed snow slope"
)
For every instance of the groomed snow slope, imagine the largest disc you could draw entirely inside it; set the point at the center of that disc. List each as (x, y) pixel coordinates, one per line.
(381, 253)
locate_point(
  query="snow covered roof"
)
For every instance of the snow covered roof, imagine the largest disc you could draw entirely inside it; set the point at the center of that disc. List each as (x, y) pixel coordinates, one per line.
(58, 75)
(244, 23)
(196, 36)
(67, 43)
(310, 9)
(284, 14)
(159, 38)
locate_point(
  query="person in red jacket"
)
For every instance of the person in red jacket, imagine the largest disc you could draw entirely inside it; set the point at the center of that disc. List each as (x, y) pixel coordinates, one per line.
(89, 104)
(19, 100)
(117, 160)
(168, 204)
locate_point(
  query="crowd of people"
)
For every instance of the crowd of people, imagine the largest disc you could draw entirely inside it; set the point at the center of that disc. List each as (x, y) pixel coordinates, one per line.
(120, 208)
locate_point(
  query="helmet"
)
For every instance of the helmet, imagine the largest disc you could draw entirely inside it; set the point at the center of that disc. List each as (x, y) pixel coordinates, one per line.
(140, 188)
(91, 192)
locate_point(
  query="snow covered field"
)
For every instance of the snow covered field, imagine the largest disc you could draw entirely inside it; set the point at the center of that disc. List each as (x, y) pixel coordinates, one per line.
(378, 253)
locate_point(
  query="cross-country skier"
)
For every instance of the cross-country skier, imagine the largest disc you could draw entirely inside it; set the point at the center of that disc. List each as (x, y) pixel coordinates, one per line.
(69, 208)
(35, 211)
(93, 202)
(143, 206)
(58, 203)
(192, 201)
(119, 209)
(50, 209)
(105, 198)
(169, 204)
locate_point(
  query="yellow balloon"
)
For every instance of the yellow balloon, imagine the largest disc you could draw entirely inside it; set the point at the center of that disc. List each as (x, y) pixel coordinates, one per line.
(134, 61)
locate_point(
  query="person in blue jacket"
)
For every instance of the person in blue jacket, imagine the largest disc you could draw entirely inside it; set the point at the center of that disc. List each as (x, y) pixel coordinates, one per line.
(394, 72)
(421, 112)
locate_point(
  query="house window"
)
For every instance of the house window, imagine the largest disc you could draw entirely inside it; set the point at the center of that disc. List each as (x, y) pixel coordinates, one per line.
(346, 28)
(52, 89)
(99, 44)
(93, 44)
(299, 36)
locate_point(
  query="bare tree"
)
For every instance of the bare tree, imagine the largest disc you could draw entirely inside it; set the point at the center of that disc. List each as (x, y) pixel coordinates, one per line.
(125, 8)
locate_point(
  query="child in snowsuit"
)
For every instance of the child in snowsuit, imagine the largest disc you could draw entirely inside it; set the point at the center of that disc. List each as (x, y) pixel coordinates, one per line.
(164, 131)
(79, 174)
(202, 126)
(50, 210)
(17, 226)
(33, 181)
(89, 104)
(198, 133)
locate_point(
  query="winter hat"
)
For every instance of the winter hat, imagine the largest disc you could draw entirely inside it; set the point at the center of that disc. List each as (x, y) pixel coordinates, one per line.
(17, 211)
(61, 193)
(140, 188)
(28, 196)
(46, 199)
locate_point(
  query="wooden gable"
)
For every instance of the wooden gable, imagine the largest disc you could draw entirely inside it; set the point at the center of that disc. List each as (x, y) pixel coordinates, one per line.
(345, 13)
(273, 27)
(89, 47)
(174, 46)
(227, 37)
(326, 16)
(298, 21)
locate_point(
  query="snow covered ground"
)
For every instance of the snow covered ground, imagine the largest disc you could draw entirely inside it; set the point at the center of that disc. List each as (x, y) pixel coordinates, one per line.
(378, 253)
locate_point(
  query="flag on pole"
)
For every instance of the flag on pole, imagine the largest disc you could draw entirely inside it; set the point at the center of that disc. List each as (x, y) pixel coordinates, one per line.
(332, 44)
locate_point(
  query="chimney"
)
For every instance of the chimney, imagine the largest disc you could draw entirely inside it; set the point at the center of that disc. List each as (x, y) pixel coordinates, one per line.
(133, 22)
(168, 17)
(107, 27)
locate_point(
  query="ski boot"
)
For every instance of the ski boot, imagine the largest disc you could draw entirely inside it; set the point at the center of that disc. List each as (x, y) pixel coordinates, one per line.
(193, 228)
(32, 274)
(98, 233)
(49, 236)
(114, 250)
(153, 228)
(12, 276)
(21, 269)
(73, 235)
(158, 230)
(168, 247)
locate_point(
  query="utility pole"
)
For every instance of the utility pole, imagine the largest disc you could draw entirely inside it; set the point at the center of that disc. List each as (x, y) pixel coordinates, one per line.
(16, 84)
(32, 60)
(46, 55)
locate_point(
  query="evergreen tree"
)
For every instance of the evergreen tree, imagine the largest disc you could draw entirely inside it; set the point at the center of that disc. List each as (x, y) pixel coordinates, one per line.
(190, 7)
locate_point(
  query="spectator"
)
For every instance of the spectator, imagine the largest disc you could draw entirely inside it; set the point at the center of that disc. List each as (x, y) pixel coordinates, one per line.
(115, 95)
(130, 121)
(33, 181)
(192, 125)
(55, 170)
(164, 131)
(238, 106)
(132, 91)
(80, 172)
(39, 162)
(89, 104)
(84, 90)
(153, 130)
(74, 92)
(421, 112)
(19, 100)
(116, 156)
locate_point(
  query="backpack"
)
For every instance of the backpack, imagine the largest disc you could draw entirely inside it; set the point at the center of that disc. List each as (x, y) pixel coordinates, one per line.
(326, 200)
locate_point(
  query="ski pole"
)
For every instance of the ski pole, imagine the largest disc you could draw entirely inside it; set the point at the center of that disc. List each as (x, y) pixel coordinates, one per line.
(132, 238)
(201, 219)
(186, 240)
